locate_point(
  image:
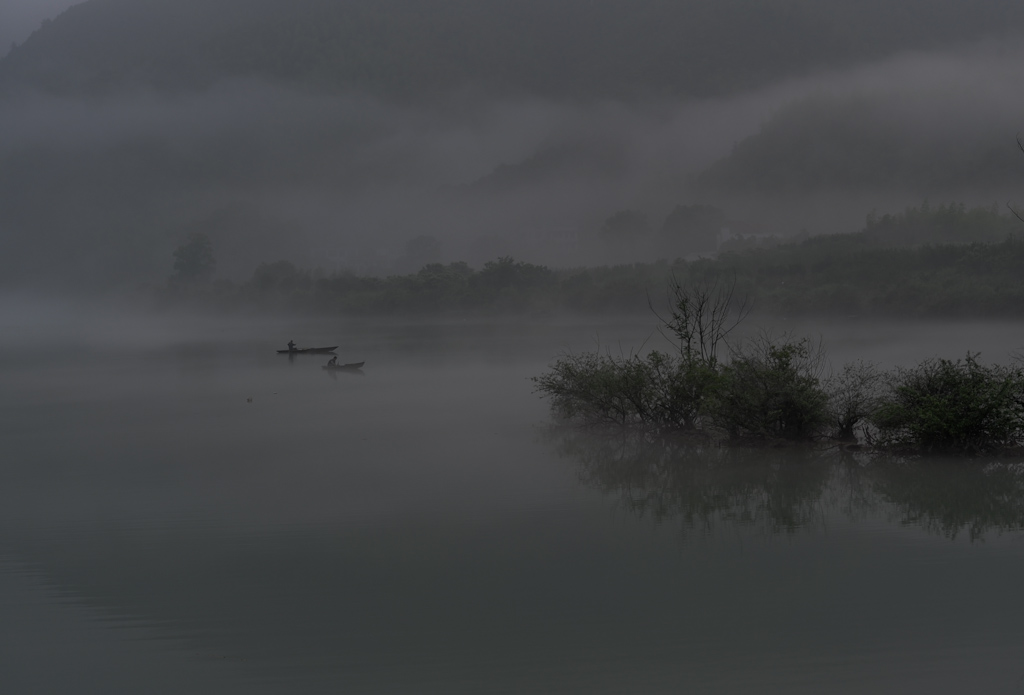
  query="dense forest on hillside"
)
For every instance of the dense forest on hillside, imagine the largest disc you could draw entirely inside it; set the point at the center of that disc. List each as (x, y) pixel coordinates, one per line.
(581, 48)
(869, 142)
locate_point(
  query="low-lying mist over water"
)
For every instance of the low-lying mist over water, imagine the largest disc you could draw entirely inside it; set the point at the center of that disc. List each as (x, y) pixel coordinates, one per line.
(485, 213)
(183, 505)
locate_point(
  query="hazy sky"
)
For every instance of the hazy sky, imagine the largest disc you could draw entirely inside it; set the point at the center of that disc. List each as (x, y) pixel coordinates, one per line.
(19, 18)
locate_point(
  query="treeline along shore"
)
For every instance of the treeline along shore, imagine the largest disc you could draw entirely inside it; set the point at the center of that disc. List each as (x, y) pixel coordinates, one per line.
(946, 261)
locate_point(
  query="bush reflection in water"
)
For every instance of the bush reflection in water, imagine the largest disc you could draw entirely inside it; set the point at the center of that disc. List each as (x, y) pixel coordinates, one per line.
(704, 487)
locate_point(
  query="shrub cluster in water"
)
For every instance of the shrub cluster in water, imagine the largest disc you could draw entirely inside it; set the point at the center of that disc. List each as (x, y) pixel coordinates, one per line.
(777, 389)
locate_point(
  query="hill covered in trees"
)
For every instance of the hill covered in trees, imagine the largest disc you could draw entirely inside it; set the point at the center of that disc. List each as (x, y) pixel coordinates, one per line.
(413, 48)
(914, 140)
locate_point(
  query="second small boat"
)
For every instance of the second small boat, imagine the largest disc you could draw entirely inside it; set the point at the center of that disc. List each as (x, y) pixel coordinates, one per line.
(350, 367)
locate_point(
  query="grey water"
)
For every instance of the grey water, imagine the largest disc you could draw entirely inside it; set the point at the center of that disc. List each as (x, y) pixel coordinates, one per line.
(184, 510)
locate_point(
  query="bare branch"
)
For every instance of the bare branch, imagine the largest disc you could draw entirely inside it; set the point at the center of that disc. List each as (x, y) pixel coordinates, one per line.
(1014, 211)
(702, 315)
(1020, 146)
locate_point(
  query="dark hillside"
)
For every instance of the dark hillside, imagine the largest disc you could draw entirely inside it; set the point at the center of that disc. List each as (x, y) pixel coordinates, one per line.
(897, 142)
(580, 48)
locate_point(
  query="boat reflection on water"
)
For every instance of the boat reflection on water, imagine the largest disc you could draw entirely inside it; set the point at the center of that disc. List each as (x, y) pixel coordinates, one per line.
(703, 486)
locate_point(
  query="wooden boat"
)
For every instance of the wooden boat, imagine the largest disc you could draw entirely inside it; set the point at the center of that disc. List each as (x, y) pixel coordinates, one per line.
(350, 367)
(309, 351)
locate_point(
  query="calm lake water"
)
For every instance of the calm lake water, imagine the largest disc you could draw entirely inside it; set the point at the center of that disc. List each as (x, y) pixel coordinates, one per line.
(183, 510)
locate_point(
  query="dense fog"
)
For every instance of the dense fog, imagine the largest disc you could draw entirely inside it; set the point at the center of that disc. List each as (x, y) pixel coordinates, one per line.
(100, 187)
(539, 346)
(19, 18)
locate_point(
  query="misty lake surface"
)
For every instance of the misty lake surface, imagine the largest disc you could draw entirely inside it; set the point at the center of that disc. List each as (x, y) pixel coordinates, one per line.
(183, 510)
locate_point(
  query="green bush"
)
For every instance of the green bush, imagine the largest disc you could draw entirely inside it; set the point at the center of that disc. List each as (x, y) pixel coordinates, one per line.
(682, 390)
(854, 394)
(592, 388)
(659, 391)
(955, 406)
(664, 392)
(771, 390)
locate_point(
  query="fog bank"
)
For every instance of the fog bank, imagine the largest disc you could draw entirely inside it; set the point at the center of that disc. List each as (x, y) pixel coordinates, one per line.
(100, 191)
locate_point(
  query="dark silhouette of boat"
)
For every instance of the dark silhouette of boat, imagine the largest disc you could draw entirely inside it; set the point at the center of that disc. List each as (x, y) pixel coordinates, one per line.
(309, 351)
(350, 367)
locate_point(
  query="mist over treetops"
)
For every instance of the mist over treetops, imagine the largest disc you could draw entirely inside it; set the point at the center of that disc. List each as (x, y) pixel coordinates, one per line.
(332, 133)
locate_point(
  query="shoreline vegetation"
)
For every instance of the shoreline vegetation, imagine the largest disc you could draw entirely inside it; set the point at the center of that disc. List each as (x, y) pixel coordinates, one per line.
(926, 262)
(780, 390)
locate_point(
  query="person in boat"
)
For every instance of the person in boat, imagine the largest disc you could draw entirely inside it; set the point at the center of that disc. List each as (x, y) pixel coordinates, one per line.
(333, 362)
(291, 346)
